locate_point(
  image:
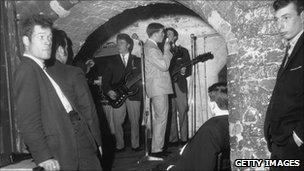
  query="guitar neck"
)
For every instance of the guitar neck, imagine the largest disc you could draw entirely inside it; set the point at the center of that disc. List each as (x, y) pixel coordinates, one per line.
(176, 70)
(133, 81)
(201, 58)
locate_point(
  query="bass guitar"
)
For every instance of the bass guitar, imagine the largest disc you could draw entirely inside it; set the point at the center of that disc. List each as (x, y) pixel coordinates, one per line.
(124, 88)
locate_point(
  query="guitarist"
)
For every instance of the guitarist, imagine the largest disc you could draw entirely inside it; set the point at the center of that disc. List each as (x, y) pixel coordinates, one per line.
(178, 100)
(116, 70)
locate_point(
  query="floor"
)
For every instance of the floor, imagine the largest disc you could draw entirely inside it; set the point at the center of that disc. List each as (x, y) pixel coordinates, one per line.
(137, 161)
(111, 161)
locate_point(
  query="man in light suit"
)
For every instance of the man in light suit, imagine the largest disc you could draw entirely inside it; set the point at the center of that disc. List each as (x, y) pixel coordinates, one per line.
(55, 112)
(284, 122)
(117, 68)
(158, 84)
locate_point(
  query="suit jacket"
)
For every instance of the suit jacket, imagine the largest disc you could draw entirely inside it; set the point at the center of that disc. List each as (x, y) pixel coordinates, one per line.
(201, 153)
(116, 71)
(285, 112)
(43, 122)
(180, 57)
(158, 80)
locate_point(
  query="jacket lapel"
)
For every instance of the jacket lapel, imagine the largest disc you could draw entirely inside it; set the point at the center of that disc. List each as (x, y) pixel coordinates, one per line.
(118, 57)
(129, 64)
(297, 47)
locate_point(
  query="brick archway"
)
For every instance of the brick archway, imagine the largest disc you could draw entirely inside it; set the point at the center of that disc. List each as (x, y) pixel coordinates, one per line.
(92, 14)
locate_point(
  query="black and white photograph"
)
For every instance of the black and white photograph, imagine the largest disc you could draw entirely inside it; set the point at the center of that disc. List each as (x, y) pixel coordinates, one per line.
(152, 85)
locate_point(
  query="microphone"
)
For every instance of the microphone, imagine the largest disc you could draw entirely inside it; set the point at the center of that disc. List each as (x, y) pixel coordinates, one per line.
(135, 37)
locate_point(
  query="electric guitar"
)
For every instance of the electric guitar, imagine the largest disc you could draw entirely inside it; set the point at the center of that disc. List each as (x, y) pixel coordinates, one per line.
(123, 88)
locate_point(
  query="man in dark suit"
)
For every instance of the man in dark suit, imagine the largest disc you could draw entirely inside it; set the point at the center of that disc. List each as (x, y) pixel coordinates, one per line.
(55, 112)
(179, 100)
(117, 68)
(284, 122)
(202, 151)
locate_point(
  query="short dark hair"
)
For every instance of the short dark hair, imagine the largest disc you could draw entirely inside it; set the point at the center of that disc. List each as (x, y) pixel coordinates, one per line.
(127, 38)
(218, 93)
(29, 23)
(60, 38)
(173, 30)
(278, 4)
(153, 28)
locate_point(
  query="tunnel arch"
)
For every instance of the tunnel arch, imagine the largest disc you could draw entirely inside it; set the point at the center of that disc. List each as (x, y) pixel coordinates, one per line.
(92, 14)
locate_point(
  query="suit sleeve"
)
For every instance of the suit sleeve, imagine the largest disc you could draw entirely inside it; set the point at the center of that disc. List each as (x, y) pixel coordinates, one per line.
(187, 59)
(106, 79)
(158, 59)
(299, 129)
(29, 114)
(87, 105)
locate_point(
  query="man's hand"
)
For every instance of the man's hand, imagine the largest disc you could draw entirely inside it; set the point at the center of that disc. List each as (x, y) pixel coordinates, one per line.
(183, 71)
(297, 139)
(112, 94)
(167, 45)
(89, 63)
(50, 164)
(100, 150)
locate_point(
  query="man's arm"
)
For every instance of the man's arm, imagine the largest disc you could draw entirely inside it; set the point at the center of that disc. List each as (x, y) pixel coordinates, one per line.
(29, 120)
(106, 79)
(186, 57)
(87, 105)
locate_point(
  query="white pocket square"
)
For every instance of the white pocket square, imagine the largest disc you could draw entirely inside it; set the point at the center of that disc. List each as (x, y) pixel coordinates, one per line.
(292, 69)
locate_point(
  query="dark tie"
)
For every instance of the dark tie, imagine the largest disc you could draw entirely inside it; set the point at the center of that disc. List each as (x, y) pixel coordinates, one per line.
(286, 56)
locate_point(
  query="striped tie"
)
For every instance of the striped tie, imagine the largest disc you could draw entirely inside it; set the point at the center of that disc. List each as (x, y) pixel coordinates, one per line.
(286, 56)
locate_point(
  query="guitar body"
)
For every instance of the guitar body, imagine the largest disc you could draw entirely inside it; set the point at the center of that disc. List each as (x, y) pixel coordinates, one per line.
(122, 93)
(123, 89)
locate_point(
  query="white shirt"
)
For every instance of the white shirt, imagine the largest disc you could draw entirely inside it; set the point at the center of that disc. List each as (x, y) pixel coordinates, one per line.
(293, 42)
(125, 58)
(65, 102)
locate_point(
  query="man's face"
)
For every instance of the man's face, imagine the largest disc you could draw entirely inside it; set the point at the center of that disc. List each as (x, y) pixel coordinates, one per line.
(39, 44)
(170, 36)
(123, 46)
(160, 35)
(290, 23)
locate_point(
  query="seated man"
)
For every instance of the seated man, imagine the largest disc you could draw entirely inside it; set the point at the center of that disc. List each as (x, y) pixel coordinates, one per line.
(212, 139)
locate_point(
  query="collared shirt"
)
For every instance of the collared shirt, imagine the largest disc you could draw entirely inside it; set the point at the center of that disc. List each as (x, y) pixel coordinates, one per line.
(65, 102)
(125, 58)
(293, 42)
(220, 112)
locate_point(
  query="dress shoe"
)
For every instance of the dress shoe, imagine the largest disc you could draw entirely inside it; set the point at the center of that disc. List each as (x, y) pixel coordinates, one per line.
(159, 154)
(120, 150)
(137, 149)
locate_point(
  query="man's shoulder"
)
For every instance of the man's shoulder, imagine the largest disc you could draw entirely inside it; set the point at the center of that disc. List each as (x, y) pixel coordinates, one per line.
(65, 69)
(26, 64)
(183, 49)
(150, 44)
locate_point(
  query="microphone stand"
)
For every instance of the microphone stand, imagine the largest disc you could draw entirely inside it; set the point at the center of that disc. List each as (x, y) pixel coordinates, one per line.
(146, 108)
